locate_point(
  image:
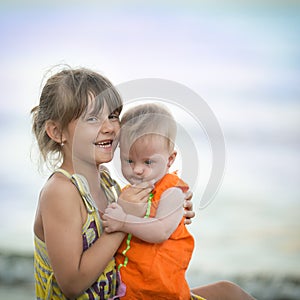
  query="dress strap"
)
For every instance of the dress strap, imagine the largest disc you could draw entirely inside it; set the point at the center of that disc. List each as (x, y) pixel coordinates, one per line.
(64, 172)
(82, 185)
(110, 187)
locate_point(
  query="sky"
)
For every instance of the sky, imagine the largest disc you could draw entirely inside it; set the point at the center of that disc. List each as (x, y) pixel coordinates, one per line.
(228, 45)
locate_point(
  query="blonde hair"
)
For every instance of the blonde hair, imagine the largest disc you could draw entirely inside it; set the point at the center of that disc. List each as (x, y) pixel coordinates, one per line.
(148, 119)
(65, 97)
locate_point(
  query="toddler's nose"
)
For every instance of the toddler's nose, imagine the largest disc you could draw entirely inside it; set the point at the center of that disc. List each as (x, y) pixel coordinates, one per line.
(138, 169)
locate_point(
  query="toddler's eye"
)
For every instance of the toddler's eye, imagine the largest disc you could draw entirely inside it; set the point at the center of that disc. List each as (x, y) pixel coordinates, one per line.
(149, 162)
(129, 161)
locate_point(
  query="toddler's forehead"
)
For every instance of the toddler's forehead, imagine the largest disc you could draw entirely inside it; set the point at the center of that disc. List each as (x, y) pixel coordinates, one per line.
(151, 138)
(149, 142)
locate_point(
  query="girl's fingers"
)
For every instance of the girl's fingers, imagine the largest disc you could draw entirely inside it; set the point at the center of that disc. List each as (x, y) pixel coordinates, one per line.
(188, 205)
(188, 195)
(189, 214)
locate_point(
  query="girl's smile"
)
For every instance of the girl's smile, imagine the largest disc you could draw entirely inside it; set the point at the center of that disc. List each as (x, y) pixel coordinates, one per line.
(107, 144)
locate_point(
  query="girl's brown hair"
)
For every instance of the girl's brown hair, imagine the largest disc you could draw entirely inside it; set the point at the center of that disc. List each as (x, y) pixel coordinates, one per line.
(64, 98)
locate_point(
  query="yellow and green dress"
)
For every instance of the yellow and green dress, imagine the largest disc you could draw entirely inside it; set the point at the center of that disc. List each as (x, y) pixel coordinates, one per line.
(108, 285)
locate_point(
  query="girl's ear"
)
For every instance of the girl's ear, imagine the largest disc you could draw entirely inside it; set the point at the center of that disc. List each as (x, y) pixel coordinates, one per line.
(54, 132)
(171, 158)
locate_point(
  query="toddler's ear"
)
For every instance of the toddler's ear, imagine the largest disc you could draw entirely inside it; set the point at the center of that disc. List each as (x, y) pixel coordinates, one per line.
(54, 132)
(171, 158)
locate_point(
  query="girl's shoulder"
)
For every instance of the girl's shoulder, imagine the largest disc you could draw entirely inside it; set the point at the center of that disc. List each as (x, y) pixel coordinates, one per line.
(59, 190)
(58, 181)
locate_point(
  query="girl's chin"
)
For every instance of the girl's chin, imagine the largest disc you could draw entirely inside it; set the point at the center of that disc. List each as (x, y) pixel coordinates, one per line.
(104, 159)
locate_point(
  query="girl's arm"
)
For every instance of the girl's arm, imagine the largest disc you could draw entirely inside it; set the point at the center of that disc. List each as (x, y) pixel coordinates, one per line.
(152, 230)
(62, 218)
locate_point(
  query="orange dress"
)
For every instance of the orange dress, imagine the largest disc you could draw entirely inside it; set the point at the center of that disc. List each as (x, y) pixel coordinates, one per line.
(157, 271)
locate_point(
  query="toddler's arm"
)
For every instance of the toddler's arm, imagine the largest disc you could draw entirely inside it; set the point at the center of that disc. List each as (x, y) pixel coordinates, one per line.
(151, 230)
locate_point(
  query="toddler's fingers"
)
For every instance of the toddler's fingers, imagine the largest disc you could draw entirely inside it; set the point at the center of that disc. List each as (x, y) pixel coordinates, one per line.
(144, 185)
(107, 230)
(105, 218)
(145, 192)
(112, 205)
(109, 210)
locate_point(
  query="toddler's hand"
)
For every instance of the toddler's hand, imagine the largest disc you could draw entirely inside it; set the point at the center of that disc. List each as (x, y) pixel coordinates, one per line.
(113, 218)
(138, 193)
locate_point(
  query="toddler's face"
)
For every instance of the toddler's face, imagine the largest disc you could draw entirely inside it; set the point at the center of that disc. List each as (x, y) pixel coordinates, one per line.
(148, 159)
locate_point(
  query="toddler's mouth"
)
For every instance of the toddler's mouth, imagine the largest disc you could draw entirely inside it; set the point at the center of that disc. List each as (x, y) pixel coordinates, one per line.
(136, 181)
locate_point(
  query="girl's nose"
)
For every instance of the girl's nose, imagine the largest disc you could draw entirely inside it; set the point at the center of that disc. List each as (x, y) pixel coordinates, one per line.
(107, 126)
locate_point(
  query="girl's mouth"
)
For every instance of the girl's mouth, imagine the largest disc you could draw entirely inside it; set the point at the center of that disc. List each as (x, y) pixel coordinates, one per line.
(104, 144)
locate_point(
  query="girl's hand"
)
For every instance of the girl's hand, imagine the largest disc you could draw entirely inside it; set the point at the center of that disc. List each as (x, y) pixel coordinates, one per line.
(113, 218)
(188, 208)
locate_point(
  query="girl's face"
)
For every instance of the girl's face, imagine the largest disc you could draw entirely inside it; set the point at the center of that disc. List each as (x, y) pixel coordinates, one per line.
(148, 159)
(93, 138)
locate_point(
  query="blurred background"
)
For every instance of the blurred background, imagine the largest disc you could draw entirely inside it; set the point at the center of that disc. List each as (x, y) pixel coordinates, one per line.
(242, 58)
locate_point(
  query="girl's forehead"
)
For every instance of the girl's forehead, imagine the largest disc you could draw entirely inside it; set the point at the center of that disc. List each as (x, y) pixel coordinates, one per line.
(96, 99)
(94, 106)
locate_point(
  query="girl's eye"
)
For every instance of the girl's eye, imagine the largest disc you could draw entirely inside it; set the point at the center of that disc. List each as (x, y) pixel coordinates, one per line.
(129, 161)
(149, 162)
(92, 119)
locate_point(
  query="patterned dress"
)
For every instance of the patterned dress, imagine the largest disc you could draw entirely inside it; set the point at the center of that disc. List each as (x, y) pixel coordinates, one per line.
(108, 285)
